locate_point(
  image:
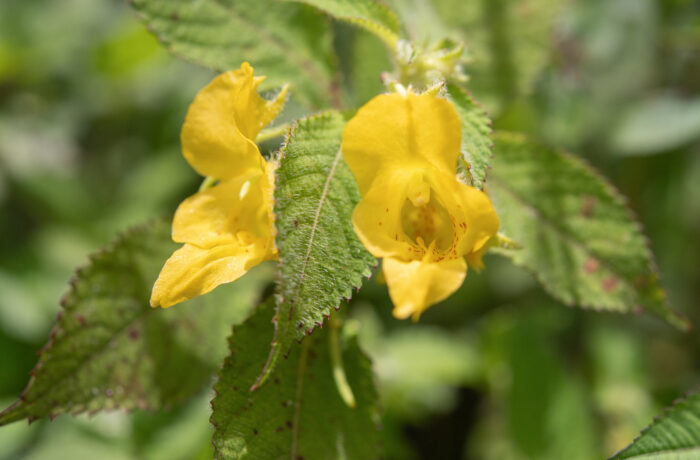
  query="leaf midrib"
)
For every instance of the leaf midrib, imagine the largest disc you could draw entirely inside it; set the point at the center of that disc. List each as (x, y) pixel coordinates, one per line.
(314, 226)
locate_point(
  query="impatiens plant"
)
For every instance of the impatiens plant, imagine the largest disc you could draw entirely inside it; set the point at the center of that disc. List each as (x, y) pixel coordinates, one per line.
(412, 186)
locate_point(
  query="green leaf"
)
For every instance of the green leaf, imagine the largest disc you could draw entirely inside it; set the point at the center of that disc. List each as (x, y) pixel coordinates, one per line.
(368, 14)
(283, 41)
(674, 435)
(658, 124)
(321, 258)
(578, 237)
(477, 146)
(300, 414)
(110, 349)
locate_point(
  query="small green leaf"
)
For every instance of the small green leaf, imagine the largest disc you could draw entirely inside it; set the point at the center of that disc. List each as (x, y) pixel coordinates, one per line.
(283, 41)
(674, 435)
(300, 413)
(368, 14)
(477, 146)
(658, 124)
(110, 349)
(321, 258)
(578, 237)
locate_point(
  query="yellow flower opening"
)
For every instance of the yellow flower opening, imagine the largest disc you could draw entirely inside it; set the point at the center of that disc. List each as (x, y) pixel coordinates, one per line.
(226, 229)
(414, 213)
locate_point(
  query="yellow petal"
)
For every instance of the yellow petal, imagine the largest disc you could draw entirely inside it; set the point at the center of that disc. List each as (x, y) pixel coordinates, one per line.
(395, 131)
(218, 137)
(416, 285)
(405, 204)
(234, 209)
(474, 259)
(193, 271)
(377, 217)
(473, 216)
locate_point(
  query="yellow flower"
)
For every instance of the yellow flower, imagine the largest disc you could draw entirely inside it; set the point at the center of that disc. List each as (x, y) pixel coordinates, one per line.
(228, 228)
(414, 213)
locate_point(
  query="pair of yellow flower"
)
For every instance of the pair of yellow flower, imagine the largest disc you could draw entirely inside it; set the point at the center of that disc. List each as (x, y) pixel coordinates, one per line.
(402, 150)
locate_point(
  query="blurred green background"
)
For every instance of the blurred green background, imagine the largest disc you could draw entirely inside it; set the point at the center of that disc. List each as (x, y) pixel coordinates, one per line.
(90, 112)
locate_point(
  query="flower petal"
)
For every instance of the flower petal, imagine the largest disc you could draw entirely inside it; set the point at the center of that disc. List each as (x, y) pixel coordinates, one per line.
(377, 217)
(235, 208)
(218, 137)
(416, 285)
(482, 222)
(394, 131)
(193, 271)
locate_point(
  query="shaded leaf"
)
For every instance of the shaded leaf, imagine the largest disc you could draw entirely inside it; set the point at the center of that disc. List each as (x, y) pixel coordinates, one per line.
(321, 258)
(110, 349)
(674, 435)
(578, 237)
(368, 14)
(509, 41)
(477, 147)
(283, 41)
(300, 413)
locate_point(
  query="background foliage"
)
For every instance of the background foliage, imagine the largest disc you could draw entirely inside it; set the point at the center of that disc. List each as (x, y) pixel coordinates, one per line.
(90, 110)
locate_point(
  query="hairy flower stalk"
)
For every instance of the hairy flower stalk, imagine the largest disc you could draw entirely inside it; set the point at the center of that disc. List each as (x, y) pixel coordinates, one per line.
(226, 228)
(414, 213)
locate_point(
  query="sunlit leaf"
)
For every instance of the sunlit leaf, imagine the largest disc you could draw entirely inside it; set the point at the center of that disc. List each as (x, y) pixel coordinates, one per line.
(578, 237)
(299, 413)
(110, 349)
(321, 258)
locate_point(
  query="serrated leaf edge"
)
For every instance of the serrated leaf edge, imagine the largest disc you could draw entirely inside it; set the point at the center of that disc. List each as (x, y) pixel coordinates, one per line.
(657, 418)
(93, 257)
(675, 318)
(462, 159)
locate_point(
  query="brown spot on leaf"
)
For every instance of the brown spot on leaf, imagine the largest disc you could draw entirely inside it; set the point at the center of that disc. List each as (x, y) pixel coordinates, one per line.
(588, 207)
(610, 283)
(643, 281)
(591, 265)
